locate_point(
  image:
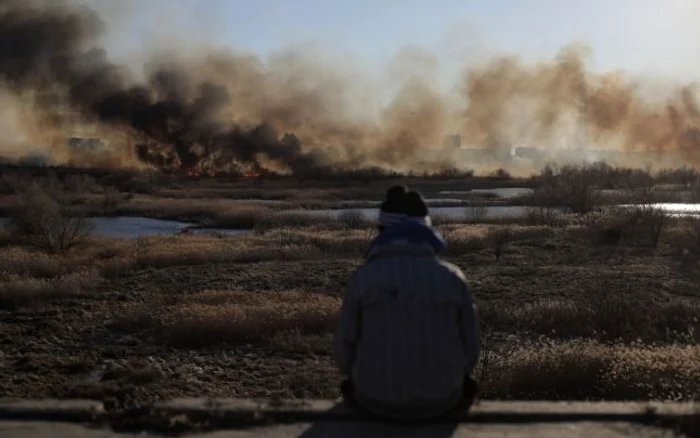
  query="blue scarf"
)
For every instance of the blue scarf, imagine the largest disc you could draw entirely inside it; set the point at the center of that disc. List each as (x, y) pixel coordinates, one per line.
(410, 231)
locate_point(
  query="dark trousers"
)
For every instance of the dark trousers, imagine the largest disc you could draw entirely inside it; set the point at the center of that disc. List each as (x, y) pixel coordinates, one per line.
(469, 390)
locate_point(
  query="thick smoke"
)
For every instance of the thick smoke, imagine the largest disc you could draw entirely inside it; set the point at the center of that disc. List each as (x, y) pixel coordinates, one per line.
(49, 47)
(224, 111)
(606, 110)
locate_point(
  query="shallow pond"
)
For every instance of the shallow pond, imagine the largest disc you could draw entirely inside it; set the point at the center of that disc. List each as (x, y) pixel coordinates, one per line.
(132, 227)
(505, 193)
(453, 212)
(676, 209)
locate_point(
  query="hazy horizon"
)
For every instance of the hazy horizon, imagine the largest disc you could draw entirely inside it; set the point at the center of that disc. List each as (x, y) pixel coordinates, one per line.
(644, 37)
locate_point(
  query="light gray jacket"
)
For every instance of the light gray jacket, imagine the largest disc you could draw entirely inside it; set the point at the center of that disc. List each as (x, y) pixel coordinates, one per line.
(408, 332)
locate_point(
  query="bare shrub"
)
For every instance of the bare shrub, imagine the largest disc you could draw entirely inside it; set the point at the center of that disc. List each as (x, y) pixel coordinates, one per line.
(573, 188)
(439, 219)
(608, 227)
(352, 219)
(684, 176)
(476, 213)
(535, 215)
(500, 174)
(498, 239)
(111, 199)
(652, 220)
(48, 224)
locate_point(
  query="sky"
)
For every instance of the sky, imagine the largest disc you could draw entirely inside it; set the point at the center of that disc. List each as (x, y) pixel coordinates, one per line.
(641, 37)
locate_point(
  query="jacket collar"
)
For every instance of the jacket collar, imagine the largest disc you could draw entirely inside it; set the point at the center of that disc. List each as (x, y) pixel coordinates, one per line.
(407, 236)
(401, 248)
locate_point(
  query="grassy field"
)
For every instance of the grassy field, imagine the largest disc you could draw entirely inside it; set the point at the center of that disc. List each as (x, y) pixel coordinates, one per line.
(580, 306)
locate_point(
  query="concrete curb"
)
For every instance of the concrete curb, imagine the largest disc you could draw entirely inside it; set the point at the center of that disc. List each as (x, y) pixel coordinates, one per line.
(72, 411)
(197, 414)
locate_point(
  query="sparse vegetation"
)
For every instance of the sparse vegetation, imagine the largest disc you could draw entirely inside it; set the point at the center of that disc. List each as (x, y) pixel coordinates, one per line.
(590, 303)
(475, 214)
(572, 188)
(498, 240)
(47, 222)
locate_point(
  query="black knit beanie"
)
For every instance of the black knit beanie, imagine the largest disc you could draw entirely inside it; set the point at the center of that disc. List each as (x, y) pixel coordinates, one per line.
(415, 207)
(392, 209)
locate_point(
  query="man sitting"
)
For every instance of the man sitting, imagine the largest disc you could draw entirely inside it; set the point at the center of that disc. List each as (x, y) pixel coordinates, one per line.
(408, 337)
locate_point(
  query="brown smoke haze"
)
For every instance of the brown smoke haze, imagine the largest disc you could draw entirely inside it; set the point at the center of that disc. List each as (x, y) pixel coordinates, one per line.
(214, 110)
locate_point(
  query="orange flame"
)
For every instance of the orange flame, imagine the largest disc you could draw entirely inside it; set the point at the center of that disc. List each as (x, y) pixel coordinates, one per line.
(251, 175)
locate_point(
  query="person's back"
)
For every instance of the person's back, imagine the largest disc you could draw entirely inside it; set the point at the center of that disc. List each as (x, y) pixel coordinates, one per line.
(408, 335)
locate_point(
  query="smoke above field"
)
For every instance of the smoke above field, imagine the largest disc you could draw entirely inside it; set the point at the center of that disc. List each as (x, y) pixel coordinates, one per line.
(215, 111)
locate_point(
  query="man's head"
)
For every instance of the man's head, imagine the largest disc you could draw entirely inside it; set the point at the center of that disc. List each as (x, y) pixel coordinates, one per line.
(400, 204)
(392, 209)
(415, 208)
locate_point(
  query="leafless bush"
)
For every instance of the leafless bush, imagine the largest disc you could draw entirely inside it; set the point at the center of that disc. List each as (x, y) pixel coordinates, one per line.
(652, 221)
(111, 199)
(535, 215)
(499, 239)
(476, 213)
(685, 176)
(45, 222)
(353, 219)
(500, 174)
(573, 188)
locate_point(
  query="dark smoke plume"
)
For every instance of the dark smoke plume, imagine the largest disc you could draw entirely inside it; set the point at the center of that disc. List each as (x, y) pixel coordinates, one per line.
(47, 45)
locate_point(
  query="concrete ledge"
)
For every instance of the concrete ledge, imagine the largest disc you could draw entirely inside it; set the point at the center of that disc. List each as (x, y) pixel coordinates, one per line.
(51, 410)
(196, 414)
(327, 409)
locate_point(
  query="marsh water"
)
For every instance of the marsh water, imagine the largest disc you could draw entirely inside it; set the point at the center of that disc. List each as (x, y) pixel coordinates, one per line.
(133, 227)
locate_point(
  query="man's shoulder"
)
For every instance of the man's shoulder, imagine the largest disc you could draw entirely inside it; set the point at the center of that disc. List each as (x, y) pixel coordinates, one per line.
(452, 269)
(372, 268)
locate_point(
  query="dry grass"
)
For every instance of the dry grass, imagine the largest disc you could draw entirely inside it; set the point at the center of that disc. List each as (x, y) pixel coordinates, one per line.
(177, 209)
(28, 291)
(475, 214)
(612, 316)
(284, 244)
(587, 370)
(216, 317)
(22, 262)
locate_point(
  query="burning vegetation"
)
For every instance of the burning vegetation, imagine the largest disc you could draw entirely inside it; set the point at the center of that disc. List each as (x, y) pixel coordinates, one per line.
(211, 113)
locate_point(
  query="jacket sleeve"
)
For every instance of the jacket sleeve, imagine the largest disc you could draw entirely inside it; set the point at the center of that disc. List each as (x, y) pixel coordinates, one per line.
(348, 330)
(469, 327)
